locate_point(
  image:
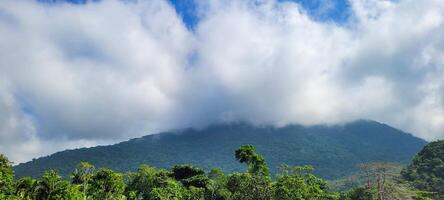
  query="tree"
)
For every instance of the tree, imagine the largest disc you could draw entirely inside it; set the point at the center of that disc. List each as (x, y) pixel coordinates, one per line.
(382, 181)
(51, 187)
(6, 176)
(216, 189)
(190, 175)
(298, 183)
(24, 188)
(426, 172)
(82, 176)
(169, 190)
(256, 184)
(107, 185)
(380, 173)
(75, 192)
(142, 182)
(256, 163)
(198, 181)
(182, 182)
(247, 186)
(194, 193)
(359, 193)
(181, 172)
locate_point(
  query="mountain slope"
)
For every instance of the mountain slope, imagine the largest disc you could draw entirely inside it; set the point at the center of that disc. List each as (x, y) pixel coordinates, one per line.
(334, 151)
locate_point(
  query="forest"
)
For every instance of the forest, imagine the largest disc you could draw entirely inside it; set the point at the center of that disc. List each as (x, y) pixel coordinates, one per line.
(333, 151)
(422, 179)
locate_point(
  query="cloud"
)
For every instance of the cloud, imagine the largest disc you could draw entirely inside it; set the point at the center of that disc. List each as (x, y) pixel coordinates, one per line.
(81, 75)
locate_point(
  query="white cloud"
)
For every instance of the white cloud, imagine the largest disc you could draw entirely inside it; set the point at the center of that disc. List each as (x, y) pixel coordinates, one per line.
(81, 75)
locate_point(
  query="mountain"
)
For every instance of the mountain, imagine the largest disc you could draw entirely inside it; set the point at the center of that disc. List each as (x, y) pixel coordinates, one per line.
(334, 151)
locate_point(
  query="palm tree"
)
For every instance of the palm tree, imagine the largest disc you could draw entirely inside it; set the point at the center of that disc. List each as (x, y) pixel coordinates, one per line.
(25, 188)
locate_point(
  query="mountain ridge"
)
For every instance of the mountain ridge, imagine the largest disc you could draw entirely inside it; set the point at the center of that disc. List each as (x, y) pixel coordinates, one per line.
(334, 150)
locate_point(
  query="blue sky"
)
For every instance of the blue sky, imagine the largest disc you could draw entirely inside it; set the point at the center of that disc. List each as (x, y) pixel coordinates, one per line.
(322, 10)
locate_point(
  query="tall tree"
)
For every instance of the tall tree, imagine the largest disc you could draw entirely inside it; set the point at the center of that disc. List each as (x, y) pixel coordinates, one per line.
(378, 175)
(82, 176)
(24, 188)
(298, 183)
(169, 190)
(256, 184)
(51, 187)
(247, 186)
(256, 163)
(6, 176)
(142, 182)
(107, 185)
(216, 189)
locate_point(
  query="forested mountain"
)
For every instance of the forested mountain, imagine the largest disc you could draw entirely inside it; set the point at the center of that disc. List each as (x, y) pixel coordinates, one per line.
(333, 151)
(426, 172)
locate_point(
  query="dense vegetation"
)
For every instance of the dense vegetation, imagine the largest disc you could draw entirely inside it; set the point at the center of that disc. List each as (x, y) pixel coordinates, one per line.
(427, 169)
(188, 182)
(333, 151)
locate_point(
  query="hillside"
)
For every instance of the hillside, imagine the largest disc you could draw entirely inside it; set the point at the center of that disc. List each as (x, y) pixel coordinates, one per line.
(334, 151)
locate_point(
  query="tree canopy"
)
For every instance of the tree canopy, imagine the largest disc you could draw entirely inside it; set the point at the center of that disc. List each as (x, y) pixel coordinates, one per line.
(188, 182)
(426, 172)
(6, 176)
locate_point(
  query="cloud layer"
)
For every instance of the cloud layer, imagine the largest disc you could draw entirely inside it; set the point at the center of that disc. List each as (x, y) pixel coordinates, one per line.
(81, 75)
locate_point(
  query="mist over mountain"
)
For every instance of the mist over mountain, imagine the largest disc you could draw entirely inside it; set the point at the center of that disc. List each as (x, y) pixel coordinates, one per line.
(334, 151)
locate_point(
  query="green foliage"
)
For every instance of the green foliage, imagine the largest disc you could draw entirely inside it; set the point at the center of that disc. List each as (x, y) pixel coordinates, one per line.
(142, 182)
(6, 176)
(249, 186)
(194, 193)
(106, 184)
(182, 172)
(361, 178)
(198, 181)
(216, 189)
(190, 176)
(256, 163)
(382, 181)
(24, 188)
(359, 193)
(334, 151)
(82, 174)
(170, 190)
(75, 192)
(392, 190)
(81, 178)
(188, 182)
(298, 183)
(426, 172)
(51, 187)
(256, 184)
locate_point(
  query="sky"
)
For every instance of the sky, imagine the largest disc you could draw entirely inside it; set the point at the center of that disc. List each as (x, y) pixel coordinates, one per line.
(78, 73)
